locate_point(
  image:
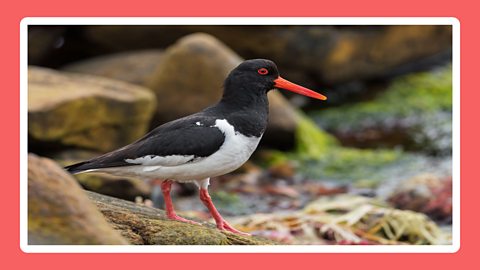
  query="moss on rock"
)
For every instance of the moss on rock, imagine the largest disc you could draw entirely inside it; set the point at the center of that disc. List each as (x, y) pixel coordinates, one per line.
(83, 111)
(414, 112)
(144, 225)
(319, 155)
(59, 212)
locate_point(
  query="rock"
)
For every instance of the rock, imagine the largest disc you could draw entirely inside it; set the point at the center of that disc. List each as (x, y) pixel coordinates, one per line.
(59, 212)
(425, 193)
(84, 111)
(319, 156)
(192, 74)
(126, 188)
(144, 225)
(328, 54)
(133, 67)
(283, 120)
(414, 112)
(43, 42)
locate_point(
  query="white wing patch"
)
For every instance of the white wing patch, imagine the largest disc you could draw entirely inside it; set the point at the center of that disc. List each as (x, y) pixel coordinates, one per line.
(152, 160)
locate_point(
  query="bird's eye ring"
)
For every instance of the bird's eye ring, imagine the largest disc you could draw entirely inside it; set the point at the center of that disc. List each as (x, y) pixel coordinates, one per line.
(262, 71)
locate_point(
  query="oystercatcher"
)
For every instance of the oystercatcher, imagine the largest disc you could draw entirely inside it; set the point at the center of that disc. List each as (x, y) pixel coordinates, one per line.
(209, 143)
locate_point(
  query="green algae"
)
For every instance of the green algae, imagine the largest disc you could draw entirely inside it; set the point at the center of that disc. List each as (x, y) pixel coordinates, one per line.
(414, 112)
(411, 95)
(318, 155)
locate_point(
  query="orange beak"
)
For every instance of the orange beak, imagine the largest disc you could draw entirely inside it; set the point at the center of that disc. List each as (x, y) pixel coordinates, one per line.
(281, 83)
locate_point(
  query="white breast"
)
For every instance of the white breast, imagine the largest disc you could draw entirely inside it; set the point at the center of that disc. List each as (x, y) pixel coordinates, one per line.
(236, 150)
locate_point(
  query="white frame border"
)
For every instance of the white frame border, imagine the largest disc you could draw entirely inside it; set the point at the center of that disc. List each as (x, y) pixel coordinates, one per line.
(454, 22)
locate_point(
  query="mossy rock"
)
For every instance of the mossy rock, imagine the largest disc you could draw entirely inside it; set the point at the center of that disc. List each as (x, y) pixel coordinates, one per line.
(143, 225)
(414, 112)
(320, 156)
(83, 111)
(59, 212)
(134, 67)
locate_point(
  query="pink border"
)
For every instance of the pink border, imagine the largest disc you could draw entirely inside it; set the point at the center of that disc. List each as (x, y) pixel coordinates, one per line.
(15, 11)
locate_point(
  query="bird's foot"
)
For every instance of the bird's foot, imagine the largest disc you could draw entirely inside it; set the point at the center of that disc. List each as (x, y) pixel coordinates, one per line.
(224, 226)
(181, 219)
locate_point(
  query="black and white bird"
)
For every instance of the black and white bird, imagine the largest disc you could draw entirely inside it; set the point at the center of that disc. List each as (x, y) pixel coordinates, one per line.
(212, 142)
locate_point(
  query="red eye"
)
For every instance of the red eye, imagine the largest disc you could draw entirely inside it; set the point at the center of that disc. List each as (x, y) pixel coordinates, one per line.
(263, 71)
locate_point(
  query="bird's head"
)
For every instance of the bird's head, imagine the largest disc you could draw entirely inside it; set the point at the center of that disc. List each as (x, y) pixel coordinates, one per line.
(258, 76)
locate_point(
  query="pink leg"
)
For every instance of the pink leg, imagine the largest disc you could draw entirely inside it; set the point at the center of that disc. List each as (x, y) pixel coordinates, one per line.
(221, 223)
(166, 187)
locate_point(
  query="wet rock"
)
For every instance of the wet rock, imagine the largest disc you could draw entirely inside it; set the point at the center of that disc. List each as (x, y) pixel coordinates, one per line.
(192, 74)
(414, 113)
(426, 193)
(143, 225)
(59, 212)
(74, 110)
(133, 67)
(319, 156)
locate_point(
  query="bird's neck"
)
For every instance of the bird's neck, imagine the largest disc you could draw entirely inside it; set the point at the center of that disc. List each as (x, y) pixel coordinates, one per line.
(240, 95)
(248, 113)
(245, 101)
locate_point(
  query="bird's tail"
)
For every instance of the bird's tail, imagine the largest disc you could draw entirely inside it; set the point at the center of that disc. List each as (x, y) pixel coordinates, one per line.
(78, 167)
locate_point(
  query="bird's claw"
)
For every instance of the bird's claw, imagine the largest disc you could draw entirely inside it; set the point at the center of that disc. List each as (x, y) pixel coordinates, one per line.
(181, 219)
(224, 226)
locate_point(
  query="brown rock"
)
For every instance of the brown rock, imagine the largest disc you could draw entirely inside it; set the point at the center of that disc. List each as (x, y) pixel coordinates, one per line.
(85, 111)
(330, 54)
(144, 225)
(425, 193)
(133, 67)
(59, 212)
(191, 76)
(126, 188)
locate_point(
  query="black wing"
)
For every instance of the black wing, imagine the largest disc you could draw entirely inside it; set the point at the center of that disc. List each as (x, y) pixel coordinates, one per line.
(193, 137)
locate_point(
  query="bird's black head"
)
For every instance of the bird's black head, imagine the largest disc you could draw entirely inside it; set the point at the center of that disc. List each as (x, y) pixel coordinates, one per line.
(254, 78)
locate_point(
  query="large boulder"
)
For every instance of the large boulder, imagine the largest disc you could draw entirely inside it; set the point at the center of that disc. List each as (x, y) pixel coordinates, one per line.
(133, 67)
(59, 212)
(191, 75)
(84, 111)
